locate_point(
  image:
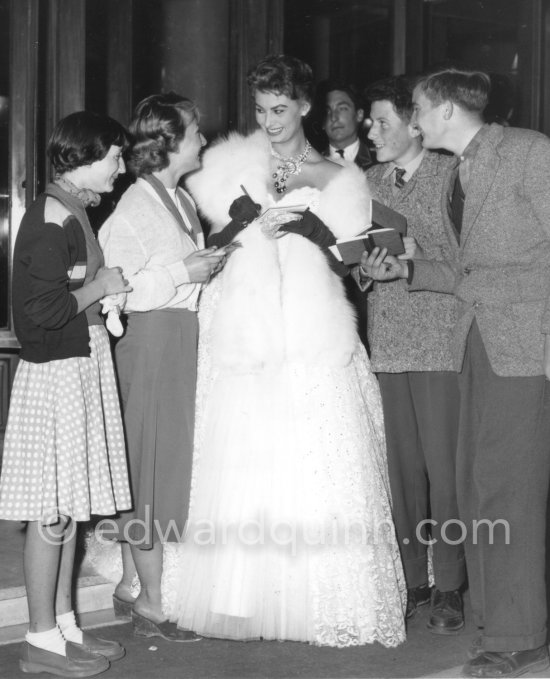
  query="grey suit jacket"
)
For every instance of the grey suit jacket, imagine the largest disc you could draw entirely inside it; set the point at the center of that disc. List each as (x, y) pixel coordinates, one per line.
(500, 272)
(413, 332)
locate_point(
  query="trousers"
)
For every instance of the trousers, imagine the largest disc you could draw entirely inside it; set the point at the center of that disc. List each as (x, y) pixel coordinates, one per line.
(421, 412)
(503, 470)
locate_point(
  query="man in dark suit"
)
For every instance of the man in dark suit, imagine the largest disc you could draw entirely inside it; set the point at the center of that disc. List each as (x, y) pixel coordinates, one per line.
(342, 121)
(497, 215)
(340, 112)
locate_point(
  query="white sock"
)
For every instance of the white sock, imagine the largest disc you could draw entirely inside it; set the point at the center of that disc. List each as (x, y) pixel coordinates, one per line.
(51, 640)
(71, 631)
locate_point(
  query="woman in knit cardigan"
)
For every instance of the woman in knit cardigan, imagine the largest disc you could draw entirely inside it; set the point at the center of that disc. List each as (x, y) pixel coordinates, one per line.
(155, 235)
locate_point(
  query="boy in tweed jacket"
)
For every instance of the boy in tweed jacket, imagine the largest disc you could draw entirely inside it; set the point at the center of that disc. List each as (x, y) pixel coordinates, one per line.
(410, 341)
(497, 212)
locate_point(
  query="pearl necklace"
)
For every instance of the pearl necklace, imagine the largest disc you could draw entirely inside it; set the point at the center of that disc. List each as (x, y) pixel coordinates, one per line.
(288, 165)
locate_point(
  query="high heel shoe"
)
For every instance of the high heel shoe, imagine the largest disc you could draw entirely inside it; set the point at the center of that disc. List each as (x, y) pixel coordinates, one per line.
(144, 627)
(123, 609)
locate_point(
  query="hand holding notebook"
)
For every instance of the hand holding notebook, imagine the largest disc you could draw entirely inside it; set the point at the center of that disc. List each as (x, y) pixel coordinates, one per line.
(387, 231)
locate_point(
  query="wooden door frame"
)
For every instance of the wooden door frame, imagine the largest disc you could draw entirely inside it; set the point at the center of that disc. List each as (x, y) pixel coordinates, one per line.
(23, 98)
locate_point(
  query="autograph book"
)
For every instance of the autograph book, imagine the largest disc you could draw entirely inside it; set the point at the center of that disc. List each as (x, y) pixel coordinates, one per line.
(386, 231)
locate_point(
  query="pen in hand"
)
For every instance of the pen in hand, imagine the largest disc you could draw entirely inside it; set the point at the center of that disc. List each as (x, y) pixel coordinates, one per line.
(246, 192)
(257, 206)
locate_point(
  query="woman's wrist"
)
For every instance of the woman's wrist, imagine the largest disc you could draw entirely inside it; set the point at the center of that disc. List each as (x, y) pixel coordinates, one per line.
(95, 290)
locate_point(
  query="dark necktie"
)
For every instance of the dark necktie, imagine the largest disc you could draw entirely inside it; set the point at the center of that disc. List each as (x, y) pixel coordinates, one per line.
(457, 205)
(399, 177)
(340, 152)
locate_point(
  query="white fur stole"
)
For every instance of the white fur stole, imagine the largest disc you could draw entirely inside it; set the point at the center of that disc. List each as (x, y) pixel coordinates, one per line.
(235, 161)
(229, 163)
(280, 301)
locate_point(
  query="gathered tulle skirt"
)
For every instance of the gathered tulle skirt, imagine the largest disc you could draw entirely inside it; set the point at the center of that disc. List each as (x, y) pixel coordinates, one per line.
(290, 533)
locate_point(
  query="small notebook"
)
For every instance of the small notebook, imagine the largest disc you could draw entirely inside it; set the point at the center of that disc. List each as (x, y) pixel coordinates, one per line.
(351, 250)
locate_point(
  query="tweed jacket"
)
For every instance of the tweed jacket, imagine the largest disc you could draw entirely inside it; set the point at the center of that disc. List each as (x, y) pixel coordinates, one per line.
(413, 332)
(500, 272)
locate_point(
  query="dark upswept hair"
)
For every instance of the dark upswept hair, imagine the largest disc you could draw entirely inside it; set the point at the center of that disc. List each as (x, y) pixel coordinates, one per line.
(282, 74)
(468, 89)
(158, 125)
(83, 137)
(325, 87)
(397, 90)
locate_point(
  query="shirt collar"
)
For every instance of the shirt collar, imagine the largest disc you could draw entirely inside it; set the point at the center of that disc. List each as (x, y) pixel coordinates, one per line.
(471, 150)
(410, 168)
(468, 155)
(349, 152)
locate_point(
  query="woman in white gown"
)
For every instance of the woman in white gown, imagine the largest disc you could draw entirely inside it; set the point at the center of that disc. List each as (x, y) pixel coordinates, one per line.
(290, 533)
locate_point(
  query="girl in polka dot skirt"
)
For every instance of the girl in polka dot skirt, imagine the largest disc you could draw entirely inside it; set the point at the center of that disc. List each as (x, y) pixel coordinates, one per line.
(64, 453)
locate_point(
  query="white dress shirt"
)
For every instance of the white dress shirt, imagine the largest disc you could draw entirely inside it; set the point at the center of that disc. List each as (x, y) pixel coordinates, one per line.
(349, 153)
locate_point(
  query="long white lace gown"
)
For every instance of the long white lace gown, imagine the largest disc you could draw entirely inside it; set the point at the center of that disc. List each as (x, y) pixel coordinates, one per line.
(290, 535)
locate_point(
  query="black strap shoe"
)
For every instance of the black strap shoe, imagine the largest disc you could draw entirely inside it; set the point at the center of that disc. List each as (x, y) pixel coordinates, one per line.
(510, 664)
(446, 614)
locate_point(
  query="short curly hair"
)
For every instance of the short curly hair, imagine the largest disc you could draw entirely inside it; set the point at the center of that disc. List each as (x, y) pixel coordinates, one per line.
(158, 126)
(83, 137)
(397, 90)
(282, 74)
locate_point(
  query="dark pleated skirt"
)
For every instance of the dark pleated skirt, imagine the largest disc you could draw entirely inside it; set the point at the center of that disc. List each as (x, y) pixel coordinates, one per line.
(156, 361)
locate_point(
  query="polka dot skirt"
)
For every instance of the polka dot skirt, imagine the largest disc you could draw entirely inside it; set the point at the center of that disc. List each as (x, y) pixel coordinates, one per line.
(64, 450)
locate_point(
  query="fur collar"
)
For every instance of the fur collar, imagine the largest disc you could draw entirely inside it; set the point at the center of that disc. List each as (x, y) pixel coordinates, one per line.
(279, 301)
(230, 162)
(344, 204)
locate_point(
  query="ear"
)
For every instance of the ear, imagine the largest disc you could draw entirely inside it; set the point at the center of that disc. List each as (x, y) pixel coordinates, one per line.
(413, 130)
(360, 115)
(447, 110)
(306, 108)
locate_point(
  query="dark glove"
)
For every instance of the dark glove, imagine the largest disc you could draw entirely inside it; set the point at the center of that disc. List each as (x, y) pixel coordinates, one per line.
(242, 211)
(312, 228)
(339, 268)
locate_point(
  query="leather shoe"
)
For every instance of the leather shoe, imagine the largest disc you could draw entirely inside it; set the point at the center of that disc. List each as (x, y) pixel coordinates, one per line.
(507, 664)
(76, 663)
(446, 614)
(417, 596)
(144, 627)
(111, 650)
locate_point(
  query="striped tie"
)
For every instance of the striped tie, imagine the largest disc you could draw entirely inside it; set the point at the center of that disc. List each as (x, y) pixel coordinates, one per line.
(399, 180)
